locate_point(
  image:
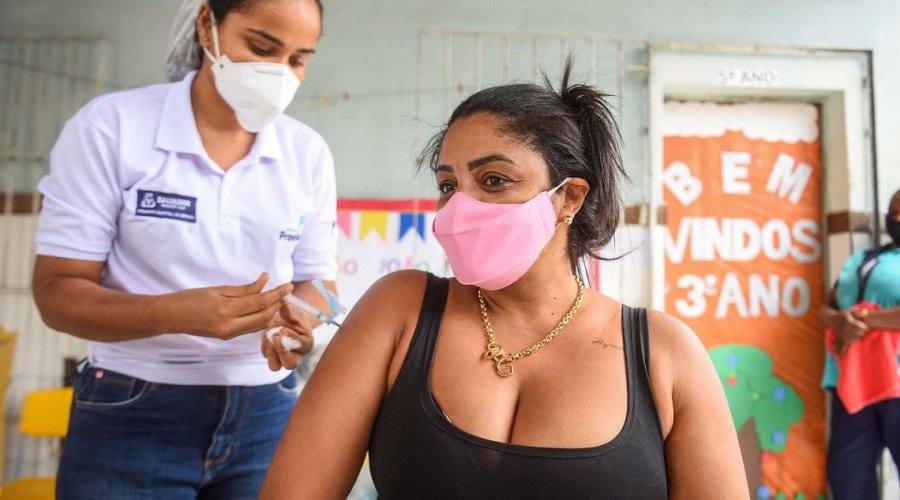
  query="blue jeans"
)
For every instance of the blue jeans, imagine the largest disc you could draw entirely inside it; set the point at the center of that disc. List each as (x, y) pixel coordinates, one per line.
(856, 444)
(129, 438)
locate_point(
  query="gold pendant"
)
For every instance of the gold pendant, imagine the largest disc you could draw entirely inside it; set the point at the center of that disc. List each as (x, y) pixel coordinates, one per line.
(509, 368)
(495, 353)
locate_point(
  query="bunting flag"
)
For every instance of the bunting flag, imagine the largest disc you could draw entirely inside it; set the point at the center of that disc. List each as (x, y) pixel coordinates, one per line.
(409, 220)
(371, 220)
(345, 222)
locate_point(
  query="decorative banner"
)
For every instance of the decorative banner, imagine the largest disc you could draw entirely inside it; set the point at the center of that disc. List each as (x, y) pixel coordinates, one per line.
(744, 270)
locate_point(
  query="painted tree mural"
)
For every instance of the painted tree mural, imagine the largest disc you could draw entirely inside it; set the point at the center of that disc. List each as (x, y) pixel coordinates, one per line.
(763, 408)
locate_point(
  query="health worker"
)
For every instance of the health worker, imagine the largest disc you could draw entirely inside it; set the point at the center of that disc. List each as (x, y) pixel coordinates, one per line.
(175, 219)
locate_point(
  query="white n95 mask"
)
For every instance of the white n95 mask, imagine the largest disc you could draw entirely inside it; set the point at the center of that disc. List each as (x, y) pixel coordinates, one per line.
(257, 91)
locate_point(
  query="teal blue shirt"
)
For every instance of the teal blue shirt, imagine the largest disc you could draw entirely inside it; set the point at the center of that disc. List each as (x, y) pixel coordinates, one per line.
(883, 289)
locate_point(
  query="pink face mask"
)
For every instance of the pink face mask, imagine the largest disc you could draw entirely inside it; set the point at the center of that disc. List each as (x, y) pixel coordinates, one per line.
(491, 245)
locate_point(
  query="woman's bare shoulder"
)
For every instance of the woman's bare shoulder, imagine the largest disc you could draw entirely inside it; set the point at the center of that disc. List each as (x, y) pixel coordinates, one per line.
(396, 287)
(394, 299)
(672, 336)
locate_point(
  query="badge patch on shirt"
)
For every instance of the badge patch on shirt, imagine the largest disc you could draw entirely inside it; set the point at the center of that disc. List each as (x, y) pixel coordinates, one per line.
(166, 206)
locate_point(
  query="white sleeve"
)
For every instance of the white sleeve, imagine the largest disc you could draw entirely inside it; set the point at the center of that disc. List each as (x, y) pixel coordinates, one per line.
(316, 254)
(81, 195)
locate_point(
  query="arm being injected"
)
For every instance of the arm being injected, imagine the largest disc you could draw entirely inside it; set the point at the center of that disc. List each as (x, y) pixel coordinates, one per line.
(335, 308)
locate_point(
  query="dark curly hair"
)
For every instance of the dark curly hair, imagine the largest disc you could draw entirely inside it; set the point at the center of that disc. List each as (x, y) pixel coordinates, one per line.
(575, 133)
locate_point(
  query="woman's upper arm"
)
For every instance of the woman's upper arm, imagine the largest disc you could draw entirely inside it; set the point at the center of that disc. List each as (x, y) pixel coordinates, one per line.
(326, 439)
(47, 268)
(48, 271)
(702, 453)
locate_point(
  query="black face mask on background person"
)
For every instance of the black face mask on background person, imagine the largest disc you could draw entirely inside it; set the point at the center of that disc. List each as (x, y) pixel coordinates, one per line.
(893, 229)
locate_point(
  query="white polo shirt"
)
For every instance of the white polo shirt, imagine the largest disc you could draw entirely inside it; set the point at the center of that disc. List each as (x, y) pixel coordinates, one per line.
(131, 184)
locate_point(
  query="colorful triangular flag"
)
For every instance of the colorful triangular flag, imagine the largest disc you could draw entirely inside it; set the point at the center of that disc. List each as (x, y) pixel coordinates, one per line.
(372, 220)
(409, 220)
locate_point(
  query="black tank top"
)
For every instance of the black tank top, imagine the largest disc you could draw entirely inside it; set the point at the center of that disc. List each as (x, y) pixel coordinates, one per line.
(415, 452)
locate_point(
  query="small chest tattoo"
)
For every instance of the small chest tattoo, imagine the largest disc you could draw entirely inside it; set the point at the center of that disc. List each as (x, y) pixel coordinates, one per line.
(606, 345)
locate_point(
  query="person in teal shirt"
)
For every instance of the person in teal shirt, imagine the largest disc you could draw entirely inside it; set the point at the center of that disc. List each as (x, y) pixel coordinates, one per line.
(856, 442)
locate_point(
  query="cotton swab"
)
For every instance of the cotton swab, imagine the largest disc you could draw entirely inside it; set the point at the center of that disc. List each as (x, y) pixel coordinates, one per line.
(289, 343)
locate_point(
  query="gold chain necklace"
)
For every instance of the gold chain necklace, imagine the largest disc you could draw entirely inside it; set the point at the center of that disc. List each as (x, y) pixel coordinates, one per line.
(495, 352)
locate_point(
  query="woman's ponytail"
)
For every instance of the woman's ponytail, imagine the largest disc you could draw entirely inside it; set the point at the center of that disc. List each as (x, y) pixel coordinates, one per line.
(596, 223)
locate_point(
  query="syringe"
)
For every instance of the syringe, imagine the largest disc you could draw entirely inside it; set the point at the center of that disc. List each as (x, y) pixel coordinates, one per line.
(301, 304)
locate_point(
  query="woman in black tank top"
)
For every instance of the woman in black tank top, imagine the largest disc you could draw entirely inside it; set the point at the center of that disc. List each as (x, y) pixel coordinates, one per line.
(513, 379)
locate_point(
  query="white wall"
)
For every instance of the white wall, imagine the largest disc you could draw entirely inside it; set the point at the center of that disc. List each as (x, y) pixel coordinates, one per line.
(368, 51)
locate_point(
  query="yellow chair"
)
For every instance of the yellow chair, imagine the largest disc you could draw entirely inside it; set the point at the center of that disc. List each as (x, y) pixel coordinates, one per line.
(7, 350)
(44, 414)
